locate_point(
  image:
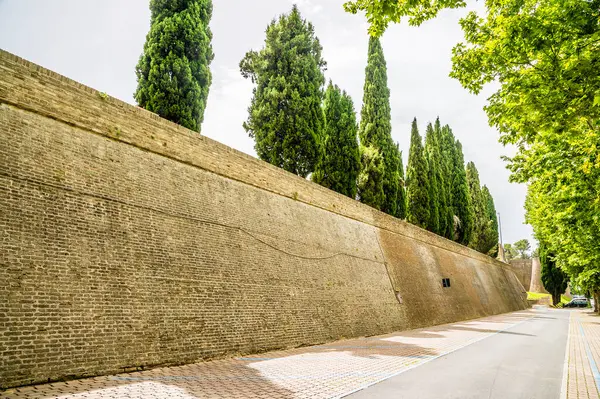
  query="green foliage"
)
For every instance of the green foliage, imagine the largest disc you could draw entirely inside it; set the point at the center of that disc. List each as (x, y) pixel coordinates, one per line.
(522, 247)
(484, 233)
(401, 207)
(462, 208)
(546, 52)
(479, 205)
(491, 236)
(285, 116)
(546, 57)
(588, 281)
(340, 162)
(370, 178)
(447, 151)
(439, 150)
(510, 252)
(173, 72)
(376, 124)
(433, 156)
(554, 279)
(417, 182)
(381, 12)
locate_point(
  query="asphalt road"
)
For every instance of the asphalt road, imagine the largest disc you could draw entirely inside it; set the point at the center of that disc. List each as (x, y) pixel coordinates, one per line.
(523, 362)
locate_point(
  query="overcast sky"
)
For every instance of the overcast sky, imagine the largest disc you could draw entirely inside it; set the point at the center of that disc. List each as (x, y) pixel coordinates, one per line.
(98, 43)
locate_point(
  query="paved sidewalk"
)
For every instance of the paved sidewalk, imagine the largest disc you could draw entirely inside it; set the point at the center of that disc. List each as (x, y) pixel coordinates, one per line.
(583, 378)
(325, 371)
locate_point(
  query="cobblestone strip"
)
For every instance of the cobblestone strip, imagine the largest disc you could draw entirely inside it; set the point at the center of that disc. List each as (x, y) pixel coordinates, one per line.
(325, 371)
(584, 338)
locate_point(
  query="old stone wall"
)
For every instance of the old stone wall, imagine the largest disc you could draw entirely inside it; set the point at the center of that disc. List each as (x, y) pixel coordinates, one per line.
(529, 273)
(536, 277)
(128, 242)
(522, 269)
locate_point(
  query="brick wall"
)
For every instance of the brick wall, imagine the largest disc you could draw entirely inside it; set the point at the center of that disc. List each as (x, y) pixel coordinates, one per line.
(128, 242)
(536, 277)
(522, 269)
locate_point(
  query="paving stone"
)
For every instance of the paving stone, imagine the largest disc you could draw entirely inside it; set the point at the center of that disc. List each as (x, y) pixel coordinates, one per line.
(584, 336)
(323, 371)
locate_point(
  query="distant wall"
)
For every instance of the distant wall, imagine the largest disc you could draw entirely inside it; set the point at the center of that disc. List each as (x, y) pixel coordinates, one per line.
(129, 242)
(522, 269)
(536, 277)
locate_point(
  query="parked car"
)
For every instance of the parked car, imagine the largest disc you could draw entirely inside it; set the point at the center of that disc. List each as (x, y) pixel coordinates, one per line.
(577, 303)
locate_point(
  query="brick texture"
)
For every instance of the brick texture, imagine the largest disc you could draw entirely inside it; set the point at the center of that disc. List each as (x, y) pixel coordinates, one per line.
(522, 269)
(128, 242)
(536, 277)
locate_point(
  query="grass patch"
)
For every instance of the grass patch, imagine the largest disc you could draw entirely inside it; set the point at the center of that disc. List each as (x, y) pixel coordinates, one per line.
(534, 296)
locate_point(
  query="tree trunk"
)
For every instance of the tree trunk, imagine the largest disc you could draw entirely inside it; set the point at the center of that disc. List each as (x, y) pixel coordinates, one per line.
(596, 296)
(555, 299)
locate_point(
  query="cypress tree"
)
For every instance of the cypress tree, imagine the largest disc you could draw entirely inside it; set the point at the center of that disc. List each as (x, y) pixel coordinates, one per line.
(370, 178)
(491, 230)
(477, 241)
(554, 279)
(376, 126)
(173, 71)
(439, 146)
(447, 149)
(401, 207)
(285, 115)
(462, 208)
(432, 154)
(417, 181)
(340, 162)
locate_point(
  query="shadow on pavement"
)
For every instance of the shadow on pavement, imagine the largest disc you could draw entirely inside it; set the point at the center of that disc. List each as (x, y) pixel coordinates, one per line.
(328, 370)
(226, 378)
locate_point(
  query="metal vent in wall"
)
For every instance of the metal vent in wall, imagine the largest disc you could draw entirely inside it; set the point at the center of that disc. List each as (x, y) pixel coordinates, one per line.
(446, 282)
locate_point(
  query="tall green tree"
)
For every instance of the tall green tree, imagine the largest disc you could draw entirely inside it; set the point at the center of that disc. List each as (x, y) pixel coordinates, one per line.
(545, 55)
(380, 13)
(510, 252)
(340, 162)
(433, 155)
(376, 123)
(554, 279)
(370, 178)
(447, 148)
(417, 182)
(285, 115)
(589, 281)
(492, 236)
(479, 206)
(401, 207)
(523, 247)
(462, 206)
(173, 71)
(439, 148)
